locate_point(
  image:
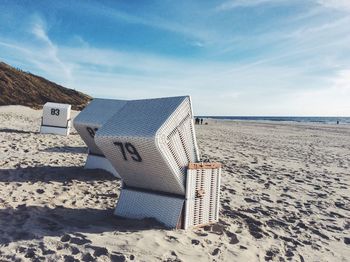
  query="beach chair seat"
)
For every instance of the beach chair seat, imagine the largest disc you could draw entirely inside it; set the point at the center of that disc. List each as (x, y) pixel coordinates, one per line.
(199, 206)
(88, 122)
(56, 119)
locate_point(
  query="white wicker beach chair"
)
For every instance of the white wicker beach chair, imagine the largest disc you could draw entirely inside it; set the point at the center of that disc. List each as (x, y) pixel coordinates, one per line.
(151, 143)
(56, 119)
(91, 119)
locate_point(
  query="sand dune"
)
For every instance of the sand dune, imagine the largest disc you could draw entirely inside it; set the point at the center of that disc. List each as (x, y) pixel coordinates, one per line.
(18, 87)
(285, 197)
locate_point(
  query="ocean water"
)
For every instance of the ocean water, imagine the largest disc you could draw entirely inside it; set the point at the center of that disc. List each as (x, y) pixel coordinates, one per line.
(303, 119)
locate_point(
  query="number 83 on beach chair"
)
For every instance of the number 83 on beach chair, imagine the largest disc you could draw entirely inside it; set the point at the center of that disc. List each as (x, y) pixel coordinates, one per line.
(56, 119)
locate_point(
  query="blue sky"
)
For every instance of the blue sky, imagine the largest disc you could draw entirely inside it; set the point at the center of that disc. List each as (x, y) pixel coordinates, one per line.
(240, 57)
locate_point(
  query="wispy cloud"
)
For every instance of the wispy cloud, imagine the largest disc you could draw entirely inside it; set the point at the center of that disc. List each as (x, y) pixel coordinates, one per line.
(341, 82)
(183, 28)
(232, 4)
(330, 100)
(48, 48)
(284, 67)
(228, 5)
(116, 74)
(343, 5)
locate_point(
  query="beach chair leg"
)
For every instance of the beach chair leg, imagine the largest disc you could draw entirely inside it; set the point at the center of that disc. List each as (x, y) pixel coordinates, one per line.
(63, 131)
(139, 205)
(100, 162)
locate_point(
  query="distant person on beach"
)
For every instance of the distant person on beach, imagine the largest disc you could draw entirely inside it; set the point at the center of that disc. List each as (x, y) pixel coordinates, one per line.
(201, 121)
(337, 122)
(197, 121)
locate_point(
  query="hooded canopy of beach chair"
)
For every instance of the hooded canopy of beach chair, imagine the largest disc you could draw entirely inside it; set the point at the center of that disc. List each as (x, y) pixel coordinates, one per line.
(150, 143)
(94, 115)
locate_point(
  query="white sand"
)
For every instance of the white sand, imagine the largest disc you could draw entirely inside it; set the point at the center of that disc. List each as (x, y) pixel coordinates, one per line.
(285, 196)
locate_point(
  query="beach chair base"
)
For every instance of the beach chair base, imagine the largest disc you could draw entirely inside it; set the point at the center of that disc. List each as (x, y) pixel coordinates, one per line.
(63, 131)
(139, 205)
(100, 162)
(199, 207)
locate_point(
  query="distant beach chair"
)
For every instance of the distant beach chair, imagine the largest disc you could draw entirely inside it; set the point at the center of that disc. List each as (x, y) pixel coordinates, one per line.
(152, 145)
(56, 119)
(88, 122)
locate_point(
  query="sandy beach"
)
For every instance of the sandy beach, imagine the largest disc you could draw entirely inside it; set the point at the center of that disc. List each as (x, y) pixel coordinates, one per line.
(285, 197)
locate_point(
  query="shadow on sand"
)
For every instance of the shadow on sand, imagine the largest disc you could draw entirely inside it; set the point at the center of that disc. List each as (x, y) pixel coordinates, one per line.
(35, 222)
(50, 173)
(68, 149)
(9, 130)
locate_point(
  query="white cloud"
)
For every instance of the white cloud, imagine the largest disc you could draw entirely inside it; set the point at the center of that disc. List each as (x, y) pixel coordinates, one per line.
(341, 83)
(343, 5)
(181, 27)
(197, 44)
(79, 41)
(327, 101)
(228, 5)
(48, 48)
(277, 82)
(218, 88)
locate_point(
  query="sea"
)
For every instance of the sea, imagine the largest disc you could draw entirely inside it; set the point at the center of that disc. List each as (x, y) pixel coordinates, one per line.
(300, 119)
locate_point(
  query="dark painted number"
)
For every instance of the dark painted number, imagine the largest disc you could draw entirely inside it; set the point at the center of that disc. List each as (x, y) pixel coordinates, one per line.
(133, 152)
(121, 147)
(91, 131)
(55, 112)
(128, 147)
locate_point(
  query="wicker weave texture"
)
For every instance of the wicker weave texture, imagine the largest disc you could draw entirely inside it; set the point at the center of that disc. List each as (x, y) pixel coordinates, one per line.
(202, 196)
(139, 205)
(56, 115)
(150, 143)
(92, 117)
